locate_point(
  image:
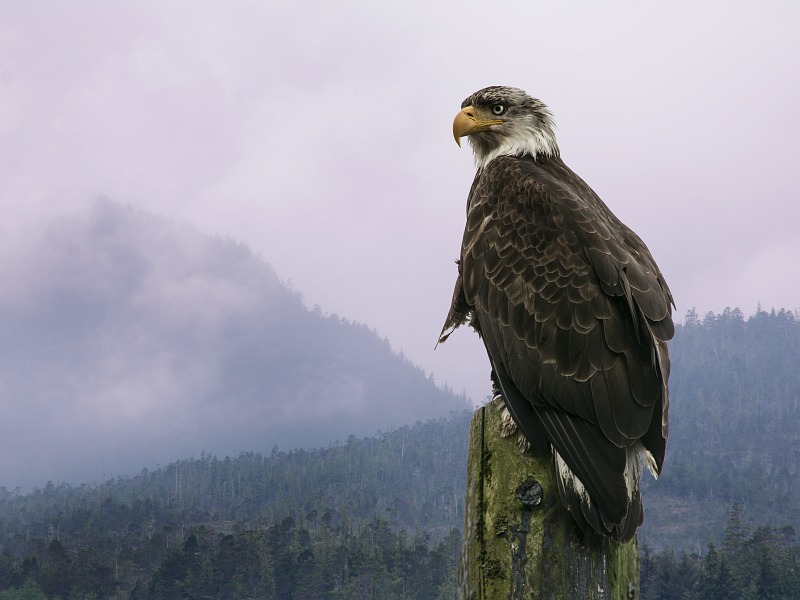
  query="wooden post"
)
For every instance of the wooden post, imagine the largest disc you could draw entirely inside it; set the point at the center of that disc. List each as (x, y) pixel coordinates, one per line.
(520, 541)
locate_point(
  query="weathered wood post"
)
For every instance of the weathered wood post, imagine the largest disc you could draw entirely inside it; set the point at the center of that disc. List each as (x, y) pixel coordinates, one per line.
(520, 541)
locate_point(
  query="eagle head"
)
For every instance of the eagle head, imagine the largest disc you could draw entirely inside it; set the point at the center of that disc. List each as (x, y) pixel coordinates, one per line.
(502, 120)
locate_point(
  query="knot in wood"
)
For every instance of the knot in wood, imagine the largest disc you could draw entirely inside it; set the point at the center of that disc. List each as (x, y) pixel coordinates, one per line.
(529, 493)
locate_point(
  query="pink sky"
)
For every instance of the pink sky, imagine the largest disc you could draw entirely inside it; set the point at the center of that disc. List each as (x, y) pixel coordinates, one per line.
(319, 135)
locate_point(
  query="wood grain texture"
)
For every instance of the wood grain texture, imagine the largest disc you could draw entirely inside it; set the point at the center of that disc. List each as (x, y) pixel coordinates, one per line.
(528, 549)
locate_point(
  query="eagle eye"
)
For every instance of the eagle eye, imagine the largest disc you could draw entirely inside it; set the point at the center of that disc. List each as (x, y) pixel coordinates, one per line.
(498, 109)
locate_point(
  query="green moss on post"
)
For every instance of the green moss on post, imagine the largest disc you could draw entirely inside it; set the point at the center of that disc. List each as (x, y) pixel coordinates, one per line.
(519, 540)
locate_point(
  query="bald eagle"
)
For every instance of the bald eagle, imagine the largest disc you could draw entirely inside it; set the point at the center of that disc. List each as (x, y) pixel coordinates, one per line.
(571, 307)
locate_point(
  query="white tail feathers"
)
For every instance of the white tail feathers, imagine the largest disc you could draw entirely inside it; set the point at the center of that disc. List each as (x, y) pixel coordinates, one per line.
(587, 513)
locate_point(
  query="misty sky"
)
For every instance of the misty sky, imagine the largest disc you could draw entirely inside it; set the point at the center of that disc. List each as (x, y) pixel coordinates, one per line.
(319, 134)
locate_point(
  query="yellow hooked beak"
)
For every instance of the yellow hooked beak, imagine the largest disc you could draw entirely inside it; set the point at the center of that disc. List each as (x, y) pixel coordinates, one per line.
(470, 120)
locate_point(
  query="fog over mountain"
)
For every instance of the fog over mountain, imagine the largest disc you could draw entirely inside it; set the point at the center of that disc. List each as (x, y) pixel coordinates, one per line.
(127, 340)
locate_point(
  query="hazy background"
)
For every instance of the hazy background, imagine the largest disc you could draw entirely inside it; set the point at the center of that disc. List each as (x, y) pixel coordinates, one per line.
(318, 134)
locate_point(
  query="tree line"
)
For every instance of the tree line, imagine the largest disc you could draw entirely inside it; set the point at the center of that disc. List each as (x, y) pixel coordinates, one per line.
(734, 428)
(375, 517)
(751, 564)
(287, 560)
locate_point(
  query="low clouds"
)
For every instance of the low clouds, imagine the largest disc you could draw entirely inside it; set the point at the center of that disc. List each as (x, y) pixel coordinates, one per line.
(126, 340)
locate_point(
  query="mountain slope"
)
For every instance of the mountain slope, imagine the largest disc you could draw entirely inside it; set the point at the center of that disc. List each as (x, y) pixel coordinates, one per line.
(734, 428)
(127, 340)
(371, 513)
(351, 508)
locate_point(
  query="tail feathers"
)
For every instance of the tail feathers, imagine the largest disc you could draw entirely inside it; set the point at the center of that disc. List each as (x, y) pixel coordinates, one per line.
(598, 481)
(587, 513)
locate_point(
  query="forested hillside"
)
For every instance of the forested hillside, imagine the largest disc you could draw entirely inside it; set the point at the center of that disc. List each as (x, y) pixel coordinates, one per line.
(370, 516)
(750, 563)
(734, 428)
(378, 517)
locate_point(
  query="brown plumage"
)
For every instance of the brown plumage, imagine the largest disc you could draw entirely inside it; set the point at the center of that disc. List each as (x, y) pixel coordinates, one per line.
(572, 309)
